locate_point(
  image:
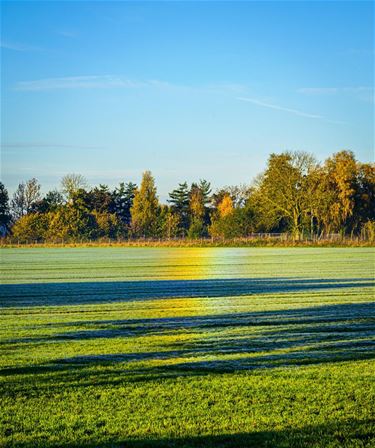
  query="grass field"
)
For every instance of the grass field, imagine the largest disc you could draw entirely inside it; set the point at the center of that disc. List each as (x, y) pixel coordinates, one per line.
(187, 347)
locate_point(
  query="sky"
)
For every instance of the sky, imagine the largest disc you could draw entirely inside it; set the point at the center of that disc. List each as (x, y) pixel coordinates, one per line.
(188, 90)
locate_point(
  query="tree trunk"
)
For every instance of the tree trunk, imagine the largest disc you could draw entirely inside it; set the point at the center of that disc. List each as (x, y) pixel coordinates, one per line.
(295, 225)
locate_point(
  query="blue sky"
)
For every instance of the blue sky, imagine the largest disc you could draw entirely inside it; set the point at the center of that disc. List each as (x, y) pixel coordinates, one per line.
(188, 90)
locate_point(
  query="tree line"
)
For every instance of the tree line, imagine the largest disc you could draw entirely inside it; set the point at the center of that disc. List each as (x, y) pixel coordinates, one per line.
(294, 194)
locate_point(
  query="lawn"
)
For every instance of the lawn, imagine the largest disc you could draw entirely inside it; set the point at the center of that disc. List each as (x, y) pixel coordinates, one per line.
(187, 347)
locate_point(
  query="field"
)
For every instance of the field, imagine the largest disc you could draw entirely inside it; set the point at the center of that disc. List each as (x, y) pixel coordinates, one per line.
(187, 347)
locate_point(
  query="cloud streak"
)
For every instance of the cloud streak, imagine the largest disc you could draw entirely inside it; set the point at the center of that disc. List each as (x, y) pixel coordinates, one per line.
(280, 108)
(120, 82)
(79, 82)
(44, 145)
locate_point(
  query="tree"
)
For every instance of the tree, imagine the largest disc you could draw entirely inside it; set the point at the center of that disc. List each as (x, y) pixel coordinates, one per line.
(144, 210)
(24, 197)
(122, 201)
(109, 225)
(168, 222)
(238, 194)
(171, 225)
(205, 188)
(364, 199)
(238, 223)
(199, 211)
(100, 199)
(18, 204)
(225, 207)
(72, 222)
(50, 203)
(282, 191)
(31, 227)
(81, 199)
(179, 200)
(341, 171)
(230, 222)
(199, 196)
(196, 229)
(294, 193)
(71, 183)
(4, 209)
(196, 204)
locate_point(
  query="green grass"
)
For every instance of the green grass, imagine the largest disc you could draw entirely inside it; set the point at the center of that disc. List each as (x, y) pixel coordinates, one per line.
(187, 347)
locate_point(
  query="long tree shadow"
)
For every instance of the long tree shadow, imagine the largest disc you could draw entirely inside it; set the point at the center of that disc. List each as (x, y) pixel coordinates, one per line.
(322, 334)
(353, 432)
(327, 320)
(363, 315)
(78, 293)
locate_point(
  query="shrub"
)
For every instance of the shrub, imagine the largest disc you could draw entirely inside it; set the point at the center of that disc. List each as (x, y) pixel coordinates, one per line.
(31, 227)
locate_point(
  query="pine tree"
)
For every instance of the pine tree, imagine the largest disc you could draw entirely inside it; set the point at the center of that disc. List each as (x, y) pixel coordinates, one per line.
(205, 188)
(179, 200)
(4, 208)
(122, 201)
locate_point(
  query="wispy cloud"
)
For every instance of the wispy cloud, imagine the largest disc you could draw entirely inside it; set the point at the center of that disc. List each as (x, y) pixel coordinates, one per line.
(281, 108)
(363, 93)
(16, 46)
(44, 145)
(121, 82)
(79, 82)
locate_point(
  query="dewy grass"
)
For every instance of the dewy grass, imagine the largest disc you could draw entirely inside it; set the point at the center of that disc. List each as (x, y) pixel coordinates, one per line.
(122, 347)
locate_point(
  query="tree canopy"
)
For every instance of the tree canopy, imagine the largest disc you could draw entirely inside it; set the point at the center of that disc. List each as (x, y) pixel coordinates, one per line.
(294, 194)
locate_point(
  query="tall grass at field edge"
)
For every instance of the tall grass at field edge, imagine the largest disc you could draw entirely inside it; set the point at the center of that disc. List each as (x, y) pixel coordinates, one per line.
(263, 242)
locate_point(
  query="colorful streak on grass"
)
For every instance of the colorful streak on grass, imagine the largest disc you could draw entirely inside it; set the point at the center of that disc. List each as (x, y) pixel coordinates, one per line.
(120, 347)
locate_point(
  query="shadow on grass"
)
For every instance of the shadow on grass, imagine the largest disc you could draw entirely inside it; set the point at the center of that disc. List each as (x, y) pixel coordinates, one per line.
(321, 334)
(350, 433)
(78, 293)
(322, 320)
